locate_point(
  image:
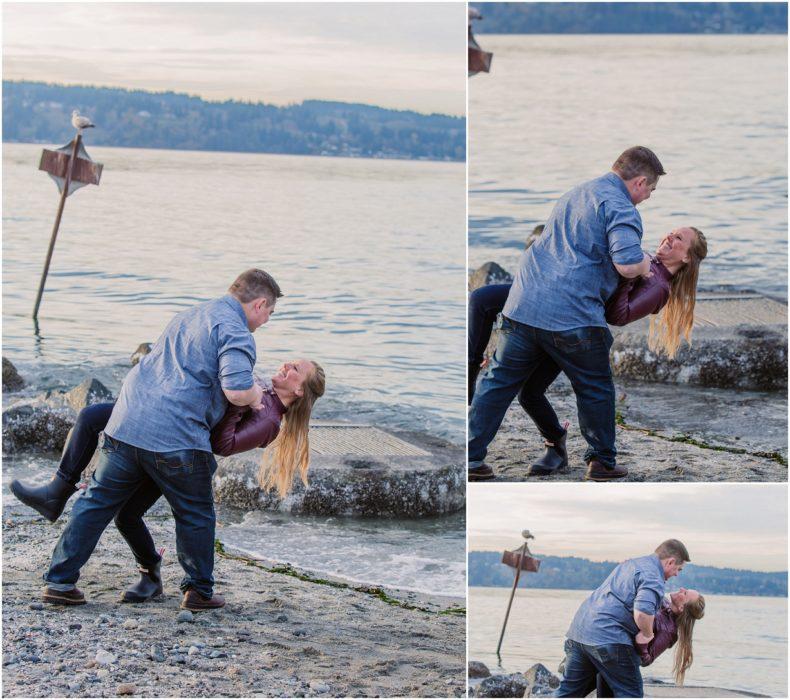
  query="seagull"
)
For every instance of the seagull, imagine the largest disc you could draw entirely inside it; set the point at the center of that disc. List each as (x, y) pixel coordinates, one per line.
(80, 122)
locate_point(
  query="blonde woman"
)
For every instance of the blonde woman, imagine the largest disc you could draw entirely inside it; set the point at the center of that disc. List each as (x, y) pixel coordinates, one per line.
(673, 624)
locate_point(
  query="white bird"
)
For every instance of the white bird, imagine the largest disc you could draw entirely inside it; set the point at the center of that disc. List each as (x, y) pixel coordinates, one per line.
(80, 122)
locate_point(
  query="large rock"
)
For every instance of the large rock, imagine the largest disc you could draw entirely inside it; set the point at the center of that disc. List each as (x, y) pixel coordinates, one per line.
(511, 686)
(477, 669)
(540, 682)
(33, 427)
(11, 379)
(426, 478)
(489, 273)
(87, 393)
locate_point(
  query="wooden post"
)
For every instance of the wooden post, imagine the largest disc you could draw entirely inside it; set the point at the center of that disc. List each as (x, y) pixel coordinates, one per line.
(512, 593)
(52, 240)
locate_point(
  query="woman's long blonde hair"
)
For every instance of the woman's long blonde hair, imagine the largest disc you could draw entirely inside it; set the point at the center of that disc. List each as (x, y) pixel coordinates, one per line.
(290, 451)
(677, 317)
(684, 657)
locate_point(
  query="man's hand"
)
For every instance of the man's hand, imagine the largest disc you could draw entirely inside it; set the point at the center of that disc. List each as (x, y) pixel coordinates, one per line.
(257, 402)
(640, 269)
(248, 397)
(643, 639)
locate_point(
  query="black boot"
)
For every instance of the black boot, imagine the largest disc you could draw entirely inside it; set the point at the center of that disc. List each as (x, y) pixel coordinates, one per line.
(49, 499)
(555, 457)
(149, 585)
(474, 370)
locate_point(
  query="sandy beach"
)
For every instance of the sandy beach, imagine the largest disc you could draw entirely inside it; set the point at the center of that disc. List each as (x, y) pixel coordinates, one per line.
(283, 633)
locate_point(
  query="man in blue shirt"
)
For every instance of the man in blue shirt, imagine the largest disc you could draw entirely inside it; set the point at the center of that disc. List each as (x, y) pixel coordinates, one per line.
(601, 637)
(160, 430)
(555, 317)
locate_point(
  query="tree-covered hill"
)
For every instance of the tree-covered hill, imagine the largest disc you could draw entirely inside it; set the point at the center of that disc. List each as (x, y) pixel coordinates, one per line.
(41, 113)
(632, 18)
(486, 569)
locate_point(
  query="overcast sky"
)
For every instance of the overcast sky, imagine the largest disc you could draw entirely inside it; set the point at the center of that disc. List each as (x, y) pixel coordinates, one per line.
(402, 56)
(736, 525)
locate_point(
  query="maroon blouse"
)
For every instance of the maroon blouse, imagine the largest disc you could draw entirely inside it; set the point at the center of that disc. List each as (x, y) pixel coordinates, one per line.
(665, 632)
(242, 428)
(636, 298)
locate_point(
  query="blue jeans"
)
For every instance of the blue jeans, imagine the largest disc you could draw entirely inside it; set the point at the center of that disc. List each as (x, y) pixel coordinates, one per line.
(183, 477)
(617, 664)
(533, 355)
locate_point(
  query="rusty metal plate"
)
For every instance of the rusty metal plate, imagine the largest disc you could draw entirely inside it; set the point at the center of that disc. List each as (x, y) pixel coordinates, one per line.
(360, 440)
(56, 162)
(529, 563)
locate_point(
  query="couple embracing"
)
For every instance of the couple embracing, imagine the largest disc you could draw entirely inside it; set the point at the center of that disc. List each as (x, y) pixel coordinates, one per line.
(192, 396)
(585, 270)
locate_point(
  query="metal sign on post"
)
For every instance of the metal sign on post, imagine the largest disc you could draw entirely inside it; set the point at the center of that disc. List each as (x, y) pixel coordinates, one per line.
(520, 559)
(70, 167)
(478, 61)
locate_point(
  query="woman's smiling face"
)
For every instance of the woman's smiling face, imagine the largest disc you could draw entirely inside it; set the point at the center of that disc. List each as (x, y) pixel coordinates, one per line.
(682, 597)
(674, 248)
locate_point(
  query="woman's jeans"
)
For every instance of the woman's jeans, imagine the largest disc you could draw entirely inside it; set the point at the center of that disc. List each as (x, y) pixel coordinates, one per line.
(617, 664)
(80, 447)
(183, 477)
(532, 355)
(485, 304)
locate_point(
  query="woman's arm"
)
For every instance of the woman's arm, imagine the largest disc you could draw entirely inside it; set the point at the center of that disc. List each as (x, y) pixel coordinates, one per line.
(242, 429)
(635, 299)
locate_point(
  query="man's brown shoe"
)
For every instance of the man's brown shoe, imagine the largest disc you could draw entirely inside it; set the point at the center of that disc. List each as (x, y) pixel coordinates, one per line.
(195, 602)
(481, 473)
(598, 472)
(72, 597)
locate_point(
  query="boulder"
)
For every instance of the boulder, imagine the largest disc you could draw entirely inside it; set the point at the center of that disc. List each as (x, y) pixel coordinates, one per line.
(142, 350)
(87, 393)
(477, 669)
(510, 686)
(489, 273)
(540, 682)
(36, 427)
(11, 379)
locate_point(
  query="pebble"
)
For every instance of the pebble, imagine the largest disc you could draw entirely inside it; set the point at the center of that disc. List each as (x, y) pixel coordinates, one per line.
(281, 618)
(185, 616)
(129, 624)
(193, 650)
(319, 686)
(75, 626)
(218, 655)
(126, 689)
(157, 654)
(104, 657)
(103, 619)
(300, 633)
(36, 606)
(74, 685)
(102, 673)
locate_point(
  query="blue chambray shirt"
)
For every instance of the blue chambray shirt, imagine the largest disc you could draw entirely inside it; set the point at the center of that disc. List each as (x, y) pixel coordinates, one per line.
(566, 276)
(173, 398)
(607, 616)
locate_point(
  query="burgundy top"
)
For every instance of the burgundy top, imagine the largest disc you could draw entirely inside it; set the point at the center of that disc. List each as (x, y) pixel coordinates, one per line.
(636, 298)
(665, 632)
(242, 428)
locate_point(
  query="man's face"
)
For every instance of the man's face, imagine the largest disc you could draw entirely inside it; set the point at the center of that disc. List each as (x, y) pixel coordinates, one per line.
(641, 189)
(260, 312)
(671, 567)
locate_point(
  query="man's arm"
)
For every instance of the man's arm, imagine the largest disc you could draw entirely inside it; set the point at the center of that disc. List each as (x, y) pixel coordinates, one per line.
(247, 397)
(645, 624)
(640, 269)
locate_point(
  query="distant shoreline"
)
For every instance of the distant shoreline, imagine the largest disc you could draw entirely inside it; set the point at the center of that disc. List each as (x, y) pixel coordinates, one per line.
(524, 586)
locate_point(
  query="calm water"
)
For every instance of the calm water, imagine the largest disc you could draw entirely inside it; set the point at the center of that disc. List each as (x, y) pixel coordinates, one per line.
(370, 255)
(741, 643)
(557, 110)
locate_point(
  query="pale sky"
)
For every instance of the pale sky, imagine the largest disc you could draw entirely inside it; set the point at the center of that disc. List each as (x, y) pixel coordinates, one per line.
(727, 525)
(401, 56)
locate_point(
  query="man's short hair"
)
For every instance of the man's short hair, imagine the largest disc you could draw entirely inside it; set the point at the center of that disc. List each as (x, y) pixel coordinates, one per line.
(254, 284)
(638, 161)
(675, 549)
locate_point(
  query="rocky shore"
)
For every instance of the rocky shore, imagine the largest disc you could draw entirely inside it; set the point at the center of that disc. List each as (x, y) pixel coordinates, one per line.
(539, 682)
(717, 413)
(283, 633)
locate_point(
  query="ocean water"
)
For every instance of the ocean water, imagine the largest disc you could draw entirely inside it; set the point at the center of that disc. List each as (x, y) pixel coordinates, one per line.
(741, 643)
(369, 253)
(557, 110)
